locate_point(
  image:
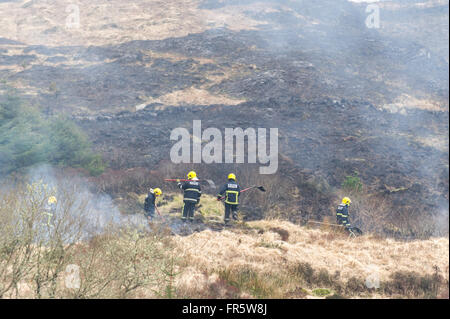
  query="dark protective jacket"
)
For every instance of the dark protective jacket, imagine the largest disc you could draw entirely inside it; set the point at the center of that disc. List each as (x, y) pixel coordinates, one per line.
(231, 190)
(149, 203)
(192, 190)
(342, 214)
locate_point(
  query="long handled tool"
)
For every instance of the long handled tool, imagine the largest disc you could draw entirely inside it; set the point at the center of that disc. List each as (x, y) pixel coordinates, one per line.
(354, 231)
(209, 181)
(164, 219)
(160, 215)
(157, 210)
(323, 223)
(261, 188)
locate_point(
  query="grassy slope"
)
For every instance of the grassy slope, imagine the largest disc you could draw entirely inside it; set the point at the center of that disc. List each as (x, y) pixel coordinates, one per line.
(258, 259)
(271, 258)
(278, 259)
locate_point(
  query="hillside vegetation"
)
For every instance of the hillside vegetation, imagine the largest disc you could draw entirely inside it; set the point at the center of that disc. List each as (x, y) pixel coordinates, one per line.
(169, 259)
(27, 137)
(276, 259)
(347, 99)
(91, 92)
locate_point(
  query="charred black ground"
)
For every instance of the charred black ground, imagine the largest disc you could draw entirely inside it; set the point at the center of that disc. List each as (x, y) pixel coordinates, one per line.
(345, 98)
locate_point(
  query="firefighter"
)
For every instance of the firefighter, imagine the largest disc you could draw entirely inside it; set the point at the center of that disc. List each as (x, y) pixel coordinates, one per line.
(231, 192)
(192, 193)
(150, 203)
(51, 210)
(342, 213)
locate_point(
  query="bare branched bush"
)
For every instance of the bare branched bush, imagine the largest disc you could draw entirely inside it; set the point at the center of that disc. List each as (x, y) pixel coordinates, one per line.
(369, 212)
(376, 214)
(41, 243)
(122, 262)
(35, 238)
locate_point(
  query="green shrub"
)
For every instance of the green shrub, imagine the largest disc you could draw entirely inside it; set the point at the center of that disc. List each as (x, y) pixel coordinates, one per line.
(94, 164)
(352, 183)
(321, 292)
(27, 138)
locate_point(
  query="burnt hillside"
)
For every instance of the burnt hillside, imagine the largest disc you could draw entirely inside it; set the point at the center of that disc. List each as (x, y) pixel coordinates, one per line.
(345, 97)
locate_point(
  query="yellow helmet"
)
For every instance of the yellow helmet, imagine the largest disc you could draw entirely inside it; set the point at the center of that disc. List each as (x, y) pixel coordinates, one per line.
(346, 201)
(157, 191)
(52, 200)
(192, 175)
(232, 176)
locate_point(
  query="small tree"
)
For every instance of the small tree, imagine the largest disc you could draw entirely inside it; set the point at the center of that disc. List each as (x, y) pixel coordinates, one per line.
(352, 183)
(28, 138)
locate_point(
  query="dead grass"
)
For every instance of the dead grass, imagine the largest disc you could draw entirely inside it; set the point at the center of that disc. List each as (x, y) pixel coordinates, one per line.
(193, 96)
(110, 22)
(405, 102)
(319, 259)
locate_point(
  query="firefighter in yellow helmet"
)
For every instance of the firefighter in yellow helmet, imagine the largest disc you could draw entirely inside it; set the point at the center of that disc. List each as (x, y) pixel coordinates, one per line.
(342, 213)
(192, 194)
(51, 210)
(230, 191)
(150, 202)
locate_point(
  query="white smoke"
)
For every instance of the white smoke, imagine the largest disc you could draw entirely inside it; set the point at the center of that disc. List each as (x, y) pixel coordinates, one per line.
(98, 210)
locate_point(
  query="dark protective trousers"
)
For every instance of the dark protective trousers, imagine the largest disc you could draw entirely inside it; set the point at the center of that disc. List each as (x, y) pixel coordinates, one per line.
(188, 210)
(150, 212)
(230, 209)
(343, 220)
